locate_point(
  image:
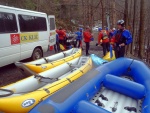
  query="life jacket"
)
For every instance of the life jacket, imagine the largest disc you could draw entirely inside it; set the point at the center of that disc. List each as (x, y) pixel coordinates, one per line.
(61, 34)
(79, 35)
(119, 37)
(105, 35)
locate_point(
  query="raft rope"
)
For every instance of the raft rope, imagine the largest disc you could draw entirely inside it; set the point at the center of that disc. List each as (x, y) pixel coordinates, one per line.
(69, 80)
(129, 68)
(9, 92)
(70, 64)
(48, 80)
(64, 54)
(45, 60)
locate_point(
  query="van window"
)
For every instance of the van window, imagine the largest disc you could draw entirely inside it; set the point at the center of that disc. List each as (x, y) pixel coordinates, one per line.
(32, 23)
(8, 23)
(52, 24)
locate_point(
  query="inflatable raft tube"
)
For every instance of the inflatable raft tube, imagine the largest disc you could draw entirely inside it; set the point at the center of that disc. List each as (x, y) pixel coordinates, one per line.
(97, 61)
(88, 87)
(30, 91)
(126, 87)
(48, 62)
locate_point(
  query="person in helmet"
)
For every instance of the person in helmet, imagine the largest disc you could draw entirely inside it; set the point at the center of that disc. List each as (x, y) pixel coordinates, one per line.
(121, 38)
(107, 29)
(79, 37)
(111, 32)
(99, 29)
(114, 29)
(56, 46)
(103, 35)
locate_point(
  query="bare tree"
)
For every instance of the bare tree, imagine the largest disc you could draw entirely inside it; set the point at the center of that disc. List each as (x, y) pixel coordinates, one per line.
(141, 29)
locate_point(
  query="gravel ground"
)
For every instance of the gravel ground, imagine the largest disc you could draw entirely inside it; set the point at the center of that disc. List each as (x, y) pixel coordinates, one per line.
(10, 74)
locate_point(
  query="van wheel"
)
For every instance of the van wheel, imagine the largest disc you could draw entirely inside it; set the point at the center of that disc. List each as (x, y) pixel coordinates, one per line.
(37, 54)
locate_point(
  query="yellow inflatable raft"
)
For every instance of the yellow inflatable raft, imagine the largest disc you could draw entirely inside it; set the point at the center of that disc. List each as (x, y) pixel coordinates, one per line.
(23, 95)
(48, 62)
(108, 56)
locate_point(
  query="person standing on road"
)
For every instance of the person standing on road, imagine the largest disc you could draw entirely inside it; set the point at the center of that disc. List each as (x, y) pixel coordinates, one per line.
(122, 37)
(56, 46)
(87, 38)
(62, 36)
(103, 35)
(79, 36)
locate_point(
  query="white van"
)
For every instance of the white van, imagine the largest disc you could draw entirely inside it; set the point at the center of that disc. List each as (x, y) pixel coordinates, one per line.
(24, 34)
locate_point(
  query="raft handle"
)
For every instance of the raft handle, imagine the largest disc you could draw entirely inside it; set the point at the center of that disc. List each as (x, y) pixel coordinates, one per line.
(99, 103)
(103, 97)
(130, 109)
(115, 107)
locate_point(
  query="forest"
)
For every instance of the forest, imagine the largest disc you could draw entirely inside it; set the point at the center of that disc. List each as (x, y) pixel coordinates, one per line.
(79, 13)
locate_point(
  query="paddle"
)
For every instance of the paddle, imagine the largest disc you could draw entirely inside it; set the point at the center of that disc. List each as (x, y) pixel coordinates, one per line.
(111, 52)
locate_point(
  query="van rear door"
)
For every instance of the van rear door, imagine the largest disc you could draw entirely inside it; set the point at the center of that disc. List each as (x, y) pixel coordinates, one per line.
(52, 27)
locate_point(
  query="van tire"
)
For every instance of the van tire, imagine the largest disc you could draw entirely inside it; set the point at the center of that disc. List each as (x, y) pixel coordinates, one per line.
(37, 54)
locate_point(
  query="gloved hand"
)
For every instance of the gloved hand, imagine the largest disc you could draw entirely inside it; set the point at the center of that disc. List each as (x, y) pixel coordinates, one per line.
(92, 39)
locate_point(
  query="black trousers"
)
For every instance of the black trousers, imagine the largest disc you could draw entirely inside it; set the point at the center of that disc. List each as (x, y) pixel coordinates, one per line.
(119, 51)
(105, 47)
(57, 47)
(78, 42)
(63, 42)
(87, 47)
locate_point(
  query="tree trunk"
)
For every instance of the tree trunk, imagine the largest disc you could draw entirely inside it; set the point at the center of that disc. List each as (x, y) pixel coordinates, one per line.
(133, 28)
(126, 14)
(141, 30)
(83, 14)
(129, 22)
(114, 13)
(126, 20)
(103, 18)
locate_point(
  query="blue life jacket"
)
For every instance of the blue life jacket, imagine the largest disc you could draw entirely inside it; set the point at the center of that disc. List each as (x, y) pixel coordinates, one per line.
(112, 34)
(79, 35)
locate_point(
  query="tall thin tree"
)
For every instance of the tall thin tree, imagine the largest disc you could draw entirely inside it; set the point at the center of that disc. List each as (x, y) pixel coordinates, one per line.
(141, 30)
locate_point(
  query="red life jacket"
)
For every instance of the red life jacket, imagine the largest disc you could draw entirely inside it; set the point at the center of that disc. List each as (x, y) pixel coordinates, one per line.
(87, 36)
(61, 34)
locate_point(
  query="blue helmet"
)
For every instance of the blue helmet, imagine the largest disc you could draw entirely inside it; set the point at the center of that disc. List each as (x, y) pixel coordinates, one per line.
(99, 29)
(106, 28)
(81, 29)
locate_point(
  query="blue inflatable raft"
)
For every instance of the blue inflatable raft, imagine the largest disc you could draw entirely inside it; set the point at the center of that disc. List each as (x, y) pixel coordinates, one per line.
(120, 86)
(97, 61)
